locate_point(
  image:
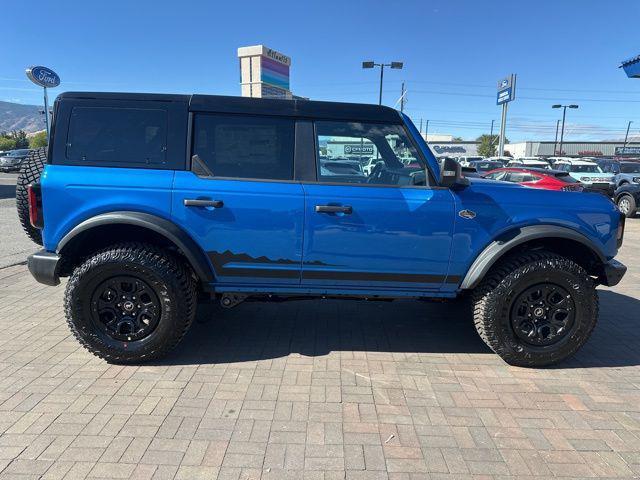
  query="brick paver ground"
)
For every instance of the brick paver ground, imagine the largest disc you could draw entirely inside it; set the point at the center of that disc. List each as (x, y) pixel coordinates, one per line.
(318, 390)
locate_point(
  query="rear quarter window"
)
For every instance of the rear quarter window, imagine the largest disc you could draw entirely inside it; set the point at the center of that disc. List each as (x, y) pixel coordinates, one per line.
(117, 135)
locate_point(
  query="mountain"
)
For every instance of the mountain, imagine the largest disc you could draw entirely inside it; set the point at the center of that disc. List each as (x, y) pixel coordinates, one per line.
(16, 116)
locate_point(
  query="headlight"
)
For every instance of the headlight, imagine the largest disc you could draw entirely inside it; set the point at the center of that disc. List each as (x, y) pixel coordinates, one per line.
(585, 179)
(636, 179)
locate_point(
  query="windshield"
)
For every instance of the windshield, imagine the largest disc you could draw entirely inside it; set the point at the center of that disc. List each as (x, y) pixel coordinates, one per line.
(586, 168)
(566, 178)
(630, 168)
(18, 153)
(486, 166)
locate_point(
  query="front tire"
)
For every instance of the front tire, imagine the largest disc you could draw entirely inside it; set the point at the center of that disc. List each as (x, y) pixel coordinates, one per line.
(535, 309)
(130, 303)
(627, 205)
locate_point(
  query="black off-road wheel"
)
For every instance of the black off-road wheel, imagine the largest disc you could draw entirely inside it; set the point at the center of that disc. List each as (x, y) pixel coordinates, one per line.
(29, 173)
(130, 303)
(627, 205)
(535, 309)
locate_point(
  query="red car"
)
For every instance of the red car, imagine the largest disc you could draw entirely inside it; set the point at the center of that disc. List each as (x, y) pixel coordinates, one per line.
(537, 178)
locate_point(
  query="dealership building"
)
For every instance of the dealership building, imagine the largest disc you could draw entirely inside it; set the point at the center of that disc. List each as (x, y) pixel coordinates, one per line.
(540, 149)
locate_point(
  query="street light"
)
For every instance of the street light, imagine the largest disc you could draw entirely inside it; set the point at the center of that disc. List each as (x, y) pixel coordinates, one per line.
(626, 136)
(564, 113)
(395, 65)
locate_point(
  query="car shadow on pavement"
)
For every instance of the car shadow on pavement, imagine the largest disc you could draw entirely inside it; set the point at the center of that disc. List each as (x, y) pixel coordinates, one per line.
(615, 342)
(262, 331)
(259, 331)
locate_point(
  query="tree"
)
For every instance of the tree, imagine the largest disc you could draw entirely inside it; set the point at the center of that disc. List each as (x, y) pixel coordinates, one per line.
(458, 139)
(38, 140)
(6, 143)
(20, 137)
(488, 144)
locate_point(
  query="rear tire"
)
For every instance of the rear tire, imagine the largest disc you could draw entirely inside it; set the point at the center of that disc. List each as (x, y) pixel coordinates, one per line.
(30, 172)
(627, 205)
(130, 303)
(535, 309)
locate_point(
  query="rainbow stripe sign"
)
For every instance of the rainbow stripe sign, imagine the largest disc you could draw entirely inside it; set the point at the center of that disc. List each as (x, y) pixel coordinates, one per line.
(274, 69)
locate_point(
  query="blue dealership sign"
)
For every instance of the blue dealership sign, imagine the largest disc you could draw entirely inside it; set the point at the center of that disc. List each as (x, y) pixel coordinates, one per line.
(506, 90)
(43, 76)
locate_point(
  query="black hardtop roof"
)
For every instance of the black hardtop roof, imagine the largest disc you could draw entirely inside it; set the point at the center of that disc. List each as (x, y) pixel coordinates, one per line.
(258, 106)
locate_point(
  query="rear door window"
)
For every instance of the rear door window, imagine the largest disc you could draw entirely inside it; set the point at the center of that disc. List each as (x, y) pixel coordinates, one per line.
(116, 135)
(238, 146)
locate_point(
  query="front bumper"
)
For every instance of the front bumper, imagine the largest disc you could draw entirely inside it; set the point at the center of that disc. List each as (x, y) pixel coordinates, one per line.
(43, 266)
(604, 188)
(612, 273)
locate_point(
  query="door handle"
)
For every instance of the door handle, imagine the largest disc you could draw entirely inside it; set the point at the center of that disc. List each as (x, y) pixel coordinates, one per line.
(199, 202)
(346, 209)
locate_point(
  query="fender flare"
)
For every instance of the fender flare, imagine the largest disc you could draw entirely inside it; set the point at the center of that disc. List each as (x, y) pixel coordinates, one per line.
(496, 249)
(176, 235)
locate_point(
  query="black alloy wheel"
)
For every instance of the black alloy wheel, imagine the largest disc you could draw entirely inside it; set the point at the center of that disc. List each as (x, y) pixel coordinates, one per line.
(543, 314)
(125, 308)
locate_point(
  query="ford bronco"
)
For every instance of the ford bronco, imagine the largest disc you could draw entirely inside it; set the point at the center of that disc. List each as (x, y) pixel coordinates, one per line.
(150, 202)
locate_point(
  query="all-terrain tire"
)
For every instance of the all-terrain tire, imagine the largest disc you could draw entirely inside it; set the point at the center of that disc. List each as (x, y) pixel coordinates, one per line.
(29, 173)
(170, 280)
(500, 292)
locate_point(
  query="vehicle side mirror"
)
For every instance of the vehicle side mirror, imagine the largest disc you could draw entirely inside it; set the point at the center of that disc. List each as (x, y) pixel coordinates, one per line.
(451, 174)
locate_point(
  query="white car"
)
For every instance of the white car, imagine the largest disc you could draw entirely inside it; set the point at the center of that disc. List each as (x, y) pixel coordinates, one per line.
(530, 162)
(370, 164)
(464, 161)
(588, 173)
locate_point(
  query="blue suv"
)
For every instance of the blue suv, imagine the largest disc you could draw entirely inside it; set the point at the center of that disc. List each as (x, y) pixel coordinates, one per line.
(152, 202)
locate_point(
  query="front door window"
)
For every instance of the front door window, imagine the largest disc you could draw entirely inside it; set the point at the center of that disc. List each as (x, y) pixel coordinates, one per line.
(367, 153)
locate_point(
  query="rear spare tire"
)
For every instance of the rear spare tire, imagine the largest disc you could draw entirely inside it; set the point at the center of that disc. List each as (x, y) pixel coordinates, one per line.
(29, 173)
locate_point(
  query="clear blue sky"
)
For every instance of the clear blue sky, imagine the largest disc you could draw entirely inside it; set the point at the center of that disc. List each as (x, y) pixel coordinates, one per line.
(454, 53)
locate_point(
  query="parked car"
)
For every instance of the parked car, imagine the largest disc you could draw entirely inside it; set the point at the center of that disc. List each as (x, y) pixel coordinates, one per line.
(195, 196)
(537, 178)
(483, 166)
(528, 163)
(504, 160)
(627, 197)
(465, 161)
(624, 171)
(589, 173)
(11, 160)
(368, 166)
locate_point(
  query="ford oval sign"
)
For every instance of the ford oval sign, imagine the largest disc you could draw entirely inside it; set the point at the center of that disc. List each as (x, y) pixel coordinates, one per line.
(43, 76)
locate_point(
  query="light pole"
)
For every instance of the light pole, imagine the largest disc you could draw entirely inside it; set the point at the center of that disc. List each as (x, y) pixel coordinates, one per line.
(396, 65)
(626, 136)
(564, 114)
(555, 142)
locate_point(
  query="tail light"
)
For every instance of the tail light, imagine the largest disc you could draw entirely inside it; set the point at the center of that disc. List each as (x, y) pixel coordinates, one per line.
(35, 205)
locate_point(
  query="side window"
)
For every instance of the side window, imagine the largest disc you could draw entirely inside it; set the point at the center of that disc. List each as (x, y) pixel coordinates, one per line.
(237, 146)
(117, 136)
(367, 153)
